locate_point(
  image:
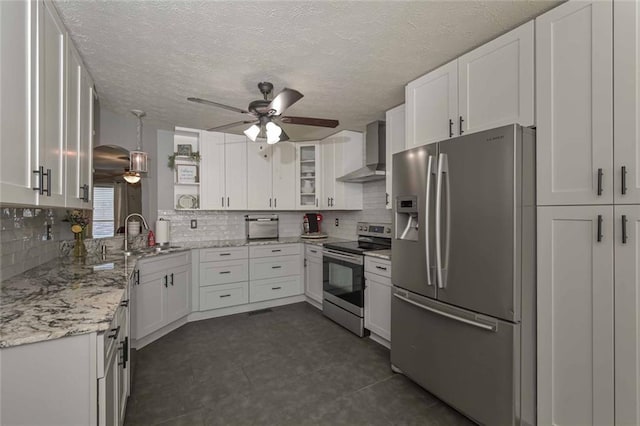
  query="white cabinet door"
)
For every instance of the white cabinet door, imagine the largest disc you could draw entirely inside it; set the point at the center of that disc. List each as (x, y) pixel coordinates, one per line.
(259, 176)
(86, 136)
(73, 192)
(348, 155)
(123, 367)
(313, 278)
(627, 321)
(51, 104)
(18, 143)
(495, 82)
(432, 106)
(395, 134)
(574, 104)
(235, 155)
(108, 399)
(327, 148)
(212, 172)
(283, 161)
(377, 306)
(308, 175)
(178, 293)
(575, 315)
(626, 98)
(150, 303)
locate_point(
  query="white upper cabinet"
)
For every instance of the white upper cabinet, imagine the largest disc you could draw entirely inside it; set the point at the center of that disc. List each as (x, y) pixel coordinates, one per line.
(574, 104)
(395, 134)
(341, 153)
(87, 97)
(495, 82)
(308, 171)
(575, 315)
(223, 171)
(51, 125)
(18, 142)
(626, 74)
(271, 176)
(432, 106)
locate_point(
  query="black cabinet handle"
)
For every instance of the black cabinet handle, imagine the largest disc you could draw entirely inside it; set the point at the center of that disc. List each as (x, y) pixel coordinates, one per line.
(305, 263)
(222, 202)
(460, 125)
(599, 237)
(228, 202)
(313, 251)
(623, 179)
(166, 281)
(172, 278)
(225, 254)
(624, 229)
(386, 194)
(275, 250)
(138, 276)
(275, 203)
(124, 303)
(599, 182)
(225, 295)
(450, 128)
(115, 332)
(381, 267)
(40, 173)
(276, 267)
(269, 202)
(276, 288)
(85, 193)
(316, 202)
(224, 272)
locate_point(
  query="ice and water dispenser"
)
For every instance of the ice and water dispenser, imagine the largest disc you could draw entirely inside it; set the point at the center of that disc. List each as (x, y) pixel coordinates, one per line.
(406, 218)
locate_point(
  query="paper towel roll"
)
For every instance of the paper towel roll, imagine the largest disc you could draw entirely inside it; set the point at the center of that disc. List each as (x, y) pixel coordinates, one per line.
(163, 230)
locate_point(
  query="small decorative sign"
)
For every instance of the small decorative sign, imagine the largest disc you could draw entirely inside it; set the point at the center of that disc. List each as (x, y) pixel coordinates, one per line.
(187, 173)
(184, 150)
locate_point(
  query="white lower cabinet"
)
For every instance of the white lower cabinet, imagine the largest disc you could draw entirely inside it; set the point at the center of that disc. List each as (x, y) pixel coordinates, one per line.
(576, 315)
(162, 292)
(275, 288)
(313, 273)
(377, 298)
(224, 277)
(224, 295)
(275, 271)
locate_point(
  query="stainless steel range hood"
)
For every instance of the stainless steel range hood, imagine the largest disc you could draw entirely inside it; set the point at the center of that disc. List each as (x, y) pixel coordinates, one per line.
(374, 156)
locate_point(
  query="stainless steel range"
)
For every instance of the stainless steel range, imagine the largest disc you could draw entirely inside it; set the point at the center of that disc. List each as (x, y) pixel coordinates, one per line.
(343, 275)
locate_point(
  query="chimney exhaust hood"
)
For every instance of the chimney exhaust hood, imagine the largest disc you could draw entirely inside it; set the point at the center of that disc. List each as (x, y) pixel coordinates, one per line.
(374, 155)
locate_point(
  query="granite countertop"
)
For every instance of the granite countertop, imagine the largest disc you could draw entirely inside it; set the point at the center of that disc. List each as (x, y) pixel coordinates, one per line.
(382, 254)
(63, 297)
(67, 296)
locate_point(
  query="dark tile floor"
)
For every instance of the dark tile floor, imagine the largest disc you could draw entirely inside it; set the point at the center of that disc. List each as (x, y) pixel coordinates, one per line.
(289, 366)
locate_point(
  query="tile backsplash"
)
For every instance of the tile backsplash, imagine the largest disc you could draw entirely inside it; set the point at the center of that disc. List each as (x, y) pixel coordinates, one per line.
(221, 225)
(23, 238)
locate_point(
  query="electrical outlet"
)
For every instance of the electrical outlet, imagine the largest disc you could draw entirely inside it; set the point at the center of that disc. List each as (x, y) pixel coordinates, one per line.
(194, 223)
(337, 222)
(48, 231)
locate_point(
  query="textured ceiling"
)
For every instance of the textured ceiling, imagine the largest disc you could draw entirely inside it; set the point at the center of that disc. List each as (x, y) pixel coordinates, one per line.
(351, 60)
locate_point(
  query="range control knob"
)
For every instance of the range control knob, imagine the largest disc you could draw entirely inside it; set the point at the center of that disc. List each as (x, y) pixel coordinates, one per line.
(387, 230)
(363, 228)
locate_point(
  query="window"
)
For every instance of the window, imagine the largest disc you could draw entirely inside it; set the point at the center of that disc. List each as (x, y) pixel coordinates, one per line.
(103, 216)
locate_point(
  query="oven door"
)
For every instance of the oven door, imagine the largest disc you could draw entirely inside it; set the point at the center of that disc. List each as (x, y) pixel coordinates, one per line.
(343, 280)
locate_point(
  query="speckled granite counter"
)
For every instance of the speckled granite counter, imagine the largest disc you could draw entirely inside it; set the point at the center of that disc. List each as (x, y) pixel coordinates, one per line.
(62, 298)
(65, 297)
(382, 254)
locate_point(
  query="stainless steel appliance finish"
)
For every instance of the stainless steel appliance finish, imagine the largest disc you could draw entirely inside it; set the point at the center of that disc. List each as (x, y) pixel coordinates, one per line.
(343, 275)
(261, 227)
(463, 311)
(374, 156)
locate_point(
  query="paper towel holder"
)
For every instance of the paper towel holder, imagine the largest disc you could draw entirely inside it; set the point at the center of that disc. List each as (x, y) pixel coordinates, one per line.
(163, 232)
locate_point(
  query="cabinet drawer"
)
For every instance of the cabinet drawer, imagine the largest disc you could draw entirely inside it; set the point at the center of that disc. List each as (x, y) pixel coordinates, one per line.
(275, 288)
(377, 278)
(213, 273)
(312, 250)
(227, 253)
(272, 267)
(377, 266)
(220, 296)
(274, 250)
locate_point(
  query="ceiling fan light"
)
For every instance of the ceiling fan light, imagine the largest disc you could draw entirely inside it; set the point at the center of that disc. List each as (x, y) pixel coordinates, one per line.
(273, 132)
(252, 132)
(131, 177)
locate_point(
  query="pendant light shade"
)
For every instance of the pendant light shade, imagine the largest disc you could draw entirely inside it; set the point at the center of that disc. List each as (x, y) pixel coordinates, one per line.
(132, 177)
(273, 133)
(138, 158)
(252, 132)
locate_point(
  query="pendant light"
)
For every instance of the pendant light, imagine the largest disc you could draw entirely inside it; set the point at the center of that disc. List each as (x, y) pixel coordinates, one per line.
(138, 158)
(131, 177)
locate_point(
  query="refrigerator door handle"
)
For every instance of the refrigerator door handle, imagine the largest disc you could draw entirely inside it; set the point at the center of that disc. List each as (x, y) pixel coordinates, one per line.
(430, 172)
(443, 171)
(447, 315)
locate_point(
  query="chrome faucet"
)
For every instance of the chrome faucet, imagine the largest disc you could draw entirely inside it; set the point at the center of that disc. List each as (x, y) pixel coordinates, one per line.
(126, 232)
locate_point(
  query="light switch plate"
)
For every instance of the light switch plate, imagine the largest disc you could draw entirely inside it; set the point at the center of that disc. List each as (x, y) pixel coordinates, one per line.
(194, 223)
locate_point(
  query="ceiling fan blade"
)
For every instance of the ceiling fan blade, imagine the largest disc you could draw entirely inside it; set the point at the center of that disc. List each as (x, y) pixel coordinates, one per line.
(216, 104)
(284, 100)
(227, 126)
(309, 121)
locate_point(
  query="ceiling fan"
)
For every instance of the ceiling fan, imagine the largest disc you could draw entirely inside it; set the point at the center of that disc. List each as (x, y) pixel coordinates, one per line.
(266, 115)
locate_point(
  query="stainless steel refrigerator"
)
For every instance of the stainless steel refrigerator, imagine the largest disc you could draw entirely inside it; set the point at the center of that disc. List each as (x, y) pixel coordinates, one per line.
(463, 271)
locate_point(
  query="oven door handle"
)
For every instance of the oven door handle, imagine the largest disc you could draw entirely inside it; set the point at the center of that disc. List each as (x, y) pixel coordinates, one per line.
(335, 255)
